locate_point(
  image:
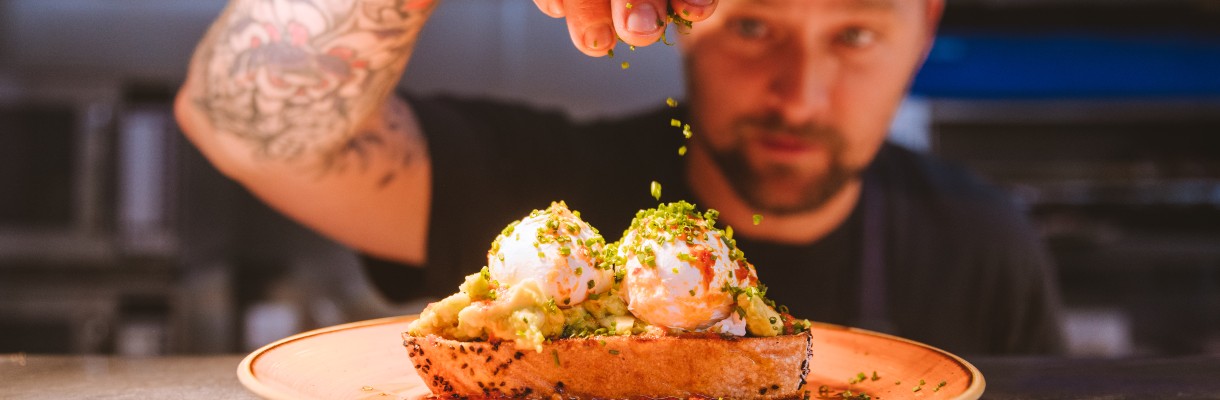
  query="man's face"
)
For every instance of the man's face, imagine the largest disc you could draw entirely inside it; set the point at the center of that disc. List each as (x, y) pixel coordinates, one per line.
(791, 99)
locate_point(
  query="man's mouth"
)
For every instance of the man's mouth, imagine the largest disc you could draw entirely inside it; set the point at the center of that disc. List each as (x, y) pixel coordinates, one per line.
(783, 144)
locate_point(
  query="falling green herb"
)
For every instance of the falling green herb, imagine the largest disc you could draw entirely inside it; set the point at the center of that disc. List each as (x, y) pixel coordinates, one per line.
(757, 219)
(681, 151)
(626, 65)
(686, 132)
(671, 102)
(675, 123)
(628, 6)
(610, 53)
(875, 377)
(655, 189)
(632, 46)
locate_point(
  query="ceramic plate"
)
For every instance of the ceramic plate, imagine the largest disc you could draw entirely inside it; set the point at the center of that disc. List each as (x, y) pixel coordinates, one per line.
(366, 360)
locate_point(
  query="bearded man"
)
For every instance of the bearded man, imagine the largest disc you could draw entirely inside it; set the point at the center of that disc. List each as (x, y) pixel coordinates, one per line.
(789, 104)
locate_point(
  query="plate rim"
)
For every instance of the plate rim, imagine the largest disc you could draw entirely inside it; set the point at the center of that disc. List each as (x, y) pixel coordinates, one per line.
(245, 369)
(977, 383)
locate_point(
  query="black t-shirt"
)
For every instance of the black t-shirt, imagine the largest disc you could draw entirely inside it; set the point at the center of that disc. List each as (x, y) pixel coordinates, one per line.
(957, 266)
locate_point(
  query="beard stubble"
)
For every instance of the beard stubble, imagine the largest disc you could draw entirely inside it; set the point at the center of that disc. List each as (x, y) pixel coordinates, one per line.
(754, 185)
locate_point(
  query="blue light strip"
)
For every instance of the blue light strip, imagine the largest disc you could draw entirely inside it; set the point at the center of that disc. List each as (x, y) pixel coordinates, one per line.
(1071, 66)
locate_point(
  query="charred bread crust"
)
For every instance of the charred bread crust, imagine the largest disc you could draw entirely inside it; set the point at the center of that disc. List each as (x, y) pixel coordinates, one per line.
(616, 367)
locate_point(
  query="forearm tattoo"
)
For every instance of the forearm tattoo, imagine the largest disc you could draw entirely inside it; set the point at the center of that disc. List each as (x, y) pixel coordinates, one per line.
(297, 79)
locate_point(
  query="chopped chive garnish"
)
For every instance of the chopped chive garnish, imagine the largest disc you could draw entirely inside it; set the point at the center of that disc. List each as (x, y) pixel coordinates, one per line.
(675, 123)
(692, 292)
(628, 6)
(614, 352)
(757, 219)
(610, 53)
(655, 189)
(556, 354)
(632, 46)
(626, 65)
(681, 151)
(671, 102)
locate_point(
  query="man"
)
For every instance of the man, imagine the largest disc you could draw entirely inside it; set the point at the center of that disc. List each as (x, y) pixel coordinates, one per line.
(789, 105)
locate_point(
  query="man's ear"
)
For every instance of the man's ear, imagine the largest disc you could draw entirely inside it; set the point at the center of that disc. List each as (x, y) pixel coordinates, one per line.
(934, 10)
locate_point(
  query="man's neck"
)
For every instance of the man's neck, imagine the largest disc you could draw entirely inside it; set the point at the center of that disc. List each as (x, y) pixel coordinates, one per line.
(712, 190)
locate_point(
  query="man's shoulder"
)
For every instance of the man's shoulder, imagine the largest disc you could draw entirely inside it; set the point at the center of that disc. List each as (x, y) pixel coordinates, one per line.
(951, 195)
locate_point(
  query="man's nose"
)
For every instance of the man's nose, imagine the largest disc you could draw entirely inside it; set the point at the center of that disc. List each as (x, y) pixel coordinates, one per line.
(802, 85)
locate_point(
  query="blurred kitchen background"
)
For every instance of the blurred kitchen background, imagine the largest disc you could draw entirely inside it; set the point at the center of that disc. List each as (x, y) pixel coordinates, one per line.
(1101, 117)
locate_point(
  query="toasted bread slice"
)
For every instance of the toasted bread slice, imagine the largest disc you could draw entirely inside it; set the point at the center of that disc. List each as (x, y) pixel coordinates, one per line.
(616, 367)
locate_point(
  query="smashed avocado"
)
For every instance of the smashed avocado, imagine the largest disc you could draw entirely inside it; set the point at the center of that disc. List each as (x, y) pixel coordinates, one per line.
(484, 310)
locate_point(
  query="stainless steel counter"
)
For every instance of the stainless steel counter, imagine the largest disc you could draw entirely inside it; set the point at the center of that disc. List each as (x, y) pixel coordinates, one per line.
(101, 377)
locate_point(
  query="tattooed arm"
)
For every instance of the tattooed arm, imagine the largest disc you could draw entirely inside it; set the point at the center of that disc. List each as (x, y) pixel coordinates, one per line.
(292, 99)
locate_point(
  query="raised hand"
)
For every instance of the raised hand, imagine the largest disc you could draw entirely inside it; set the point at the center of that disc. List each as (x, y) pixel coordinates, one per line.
(595, 25)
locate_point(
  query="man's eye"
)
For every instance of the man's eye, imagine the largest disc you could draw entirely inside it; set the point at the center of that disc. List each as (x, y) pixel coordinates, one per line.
(748, 28)
(857, 37)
